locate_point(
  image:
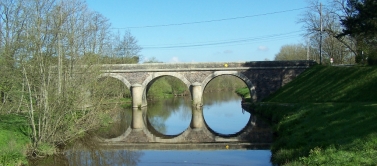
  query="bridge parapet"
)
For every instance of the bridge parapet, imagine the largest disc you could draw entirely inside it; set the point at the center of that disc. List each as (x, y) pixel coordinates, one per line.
(208, 66)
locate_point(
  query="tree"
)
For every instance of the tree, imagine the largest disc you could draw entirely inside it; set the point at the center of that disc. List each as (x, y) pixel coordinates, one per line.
(362, 19)
(342, 50)
(152, 60)
(291, 52)
(126, 48)
(48, 55)
(361, 24)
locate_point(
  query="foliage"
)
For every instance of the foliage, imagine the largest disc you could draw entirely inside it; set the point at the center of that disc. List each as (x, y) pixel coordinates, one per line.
(244, 92)
(362, 19)
(326, 116)
(13, 139)
(342, 50)
(224, 83)
(361, 24)
(166, 86)
(291, 52)
(49, 52)
(117, 91)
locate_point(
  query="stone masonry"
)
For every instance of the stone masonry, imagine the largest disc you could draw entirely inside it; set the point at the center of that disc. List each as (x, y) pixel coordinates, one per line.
(261, 77)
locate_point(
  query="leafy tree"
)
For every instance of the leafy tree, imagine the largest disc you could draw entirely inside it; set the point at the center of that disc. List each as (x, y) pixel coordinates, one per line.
(363, 18)
(291, 52)
(361, 24)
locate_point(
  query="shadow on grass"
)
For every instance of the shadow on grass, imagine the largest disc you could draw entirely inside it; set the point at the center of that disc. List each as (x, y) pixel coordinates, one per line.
(300, 128)
(330, 84)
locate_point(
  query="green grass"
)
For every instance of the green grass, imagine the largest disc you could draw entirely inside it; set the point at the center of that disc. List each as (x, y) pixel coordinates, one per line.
(329, 127)
(327, 116)
(330, 84)
(13, 140)
(244, 92)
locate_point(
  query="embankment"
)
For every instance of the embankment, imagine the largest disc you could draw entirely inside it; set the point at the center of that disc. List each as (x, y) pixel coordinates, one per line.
(326, 116)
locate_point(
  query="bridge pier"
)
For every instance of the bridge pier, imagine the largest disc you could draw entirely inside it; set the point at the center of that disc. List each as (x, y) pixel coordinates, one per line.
(196, 92)
(137, 95)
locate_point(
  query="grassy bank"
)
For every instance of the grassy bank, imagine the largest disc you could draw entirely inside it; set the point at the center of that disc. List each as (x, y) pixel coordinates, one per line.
(326, 116)
(13, 139)
(323, 133)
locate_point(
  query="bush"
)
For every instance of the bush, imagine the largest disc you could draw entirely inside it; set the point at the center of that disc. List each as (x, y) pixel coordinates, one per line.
(372, 59)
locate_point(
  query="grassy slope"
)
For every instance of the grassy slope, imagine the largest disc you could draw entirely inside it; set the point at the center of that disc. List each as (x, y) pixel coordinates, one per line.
(13, 140)
(331, 84)
(327, 116)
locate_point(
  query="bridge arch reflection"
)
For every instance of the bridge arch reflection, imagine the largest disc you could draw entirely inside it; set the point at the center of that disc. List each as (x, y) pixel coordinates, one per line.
(255, 131)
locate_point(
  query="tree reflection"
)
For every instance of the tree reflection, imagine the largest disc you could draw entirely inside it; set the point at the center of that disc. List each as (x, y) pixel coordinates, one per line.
(104, 157)
(216, 97)
(118, 122)
(86, 152)
(160, 111)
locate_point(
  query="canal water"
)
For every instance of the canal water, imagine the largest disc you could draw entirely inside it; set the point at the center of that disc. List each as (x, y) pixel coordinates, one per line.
(222, 113)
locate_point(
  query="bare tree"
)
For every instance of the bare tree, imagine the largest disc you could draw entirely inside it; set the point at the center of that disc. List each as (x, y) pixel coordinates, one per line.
(126, 48)
(44, 48)
(342, 50)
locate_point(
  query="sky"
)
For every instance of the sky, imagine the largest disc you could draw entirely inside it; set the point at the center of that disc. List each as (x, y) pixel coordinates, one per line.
(206, 30)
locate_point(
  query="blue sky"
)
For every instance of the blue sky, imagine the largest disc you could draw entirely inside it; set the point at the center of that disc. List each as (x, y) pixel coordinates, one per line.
(249, 30)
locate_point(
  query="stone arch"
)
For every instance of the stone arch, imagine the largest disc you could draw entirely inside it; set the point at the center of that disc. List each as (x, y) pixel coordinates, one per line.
(117, 76)
(155, 75)
(160, 74)
(234, 73)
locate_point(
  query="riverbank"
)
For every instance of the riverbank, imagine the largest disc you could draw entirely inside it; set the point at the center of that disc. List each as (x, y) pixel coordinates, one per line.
(13, 139)
(16, 131)
(326, 116)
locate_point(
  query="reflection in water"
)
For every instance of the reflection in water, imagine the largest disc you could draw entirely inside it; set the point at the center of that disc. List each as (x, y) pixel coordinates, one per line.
(119, 119)
(95, 157)
(194, 157)
(218, 97)
(103, 157)
(223, 112)
(159, 157)
(170, 116)
(87, 152)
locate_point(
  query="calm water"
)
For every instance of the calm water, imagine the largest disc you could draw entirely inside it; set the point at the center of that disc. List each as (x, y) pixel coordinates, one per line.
(222, 112)
(160, 157)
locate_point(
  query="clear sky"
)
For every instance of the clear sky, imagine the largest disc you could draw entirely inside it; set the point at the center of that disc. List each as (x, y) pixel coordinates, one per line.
(206, 30)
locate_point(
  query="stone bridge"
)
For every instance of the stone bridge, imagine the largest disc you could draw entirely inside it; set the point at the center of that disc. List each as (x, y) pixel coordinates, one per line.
(261, 77)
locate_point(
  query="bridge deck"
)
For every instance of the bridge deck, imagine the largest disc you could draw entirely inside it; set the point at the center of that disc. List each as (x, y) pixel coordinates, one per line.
(210, 66)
